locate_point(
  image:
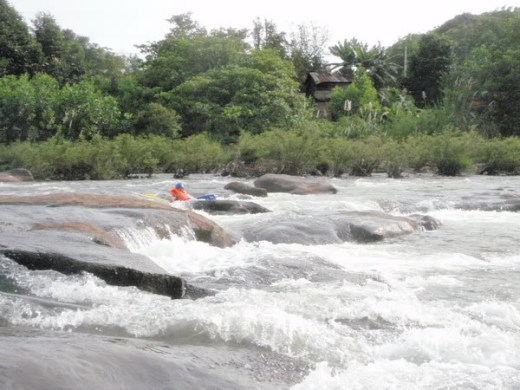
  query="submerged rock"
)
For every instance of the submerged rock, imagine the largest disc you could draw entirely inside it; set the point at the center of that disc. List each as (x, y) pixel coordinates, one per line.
(505, 202)
(293, 184)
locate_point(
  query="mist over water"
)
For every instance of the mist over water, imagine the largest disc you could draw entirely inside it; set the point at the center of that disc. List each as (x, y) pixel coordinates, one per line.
(430, 310)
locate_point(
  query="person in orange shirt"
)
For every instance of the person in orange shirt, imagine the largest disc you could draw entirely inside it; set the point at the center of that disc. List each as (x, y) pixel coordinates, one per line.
(179, 193)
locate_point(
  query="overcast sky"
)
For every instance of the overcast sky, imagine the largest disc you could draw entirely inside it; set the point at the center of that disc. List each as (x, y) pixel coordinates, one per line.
(119, 25)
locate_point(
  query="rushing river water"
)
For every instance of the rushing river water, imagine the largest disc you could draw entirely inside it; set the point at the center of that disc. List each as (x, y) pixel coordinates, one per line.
(430, 310)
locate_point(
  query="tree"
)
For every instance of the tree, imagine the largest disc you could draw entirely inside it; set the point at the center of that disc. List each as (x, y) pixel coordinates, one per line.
(306, 50)
(482, 88)
(256, 95)
(188, 51)
(19, 53)
(266, 36)
(361, 94)
(376, 60)
(83, 111)
(427, 69)
(28, 107)
(157, 119)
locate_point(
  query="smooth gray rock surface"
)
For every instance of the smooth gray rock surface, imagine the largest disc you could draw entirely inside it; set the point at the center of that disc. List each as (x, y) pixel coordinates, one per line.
(293, 184)
(224, 206)
(245, 188)
(362, 227)
(73, 233)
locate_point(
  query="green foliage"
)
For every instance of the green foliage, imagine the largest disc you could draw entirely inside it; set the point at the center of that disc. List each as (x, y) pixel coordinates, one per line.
(16, 108)
(396, 157)
(495, 76)
(197, 154)
(427, 68)
(294, 151)
(159, 120)
(135, 154)
(19, 53)
(377, 62)
(450, 152)
(498, 156)
(83, 111)
(258, 95)
(189, 51)
(265, 35)
(307, 50)
(362, 95)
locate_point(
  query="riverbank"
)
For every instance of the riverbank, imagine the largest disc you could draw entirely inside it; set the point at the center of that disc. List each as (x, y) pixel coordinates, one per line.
(291, 152)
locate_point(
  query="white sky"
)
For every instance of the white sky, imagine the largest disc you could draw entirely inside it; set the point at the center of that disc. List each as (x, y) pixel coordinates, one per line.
(120, 24)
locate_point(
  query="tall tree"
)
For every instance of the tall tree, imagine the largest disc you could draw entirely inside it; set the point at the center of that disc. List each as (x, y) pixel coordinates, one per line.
(62, 57)
(256, 95)
(187, 51)
(306, 49)
(266, 36)
(19, 53)
(376, 60)
(428, 66)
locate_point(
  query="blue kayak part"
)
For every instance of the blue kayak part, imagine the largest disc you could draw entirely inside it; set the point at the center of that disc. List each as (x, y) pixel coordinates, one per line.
(207, 197)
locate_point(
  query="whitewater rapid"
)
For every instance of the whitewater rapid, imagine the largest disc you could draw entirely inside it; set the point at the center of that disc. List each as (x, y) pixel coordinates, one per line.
(431, 310)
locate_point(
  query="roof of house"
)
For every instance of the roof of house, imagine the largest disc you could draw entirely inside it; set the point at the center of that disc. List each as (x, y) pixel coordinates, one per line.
(319, 78)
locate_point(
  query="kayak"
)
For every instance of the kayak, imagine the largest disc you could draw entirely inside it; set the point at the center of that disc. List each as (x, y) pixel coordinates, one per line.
(207, 197)
(157, 198)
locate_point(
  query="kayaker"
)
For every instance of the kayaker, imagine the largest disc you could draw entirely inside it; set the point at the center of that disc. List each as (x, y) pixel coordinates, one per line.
(179, 193)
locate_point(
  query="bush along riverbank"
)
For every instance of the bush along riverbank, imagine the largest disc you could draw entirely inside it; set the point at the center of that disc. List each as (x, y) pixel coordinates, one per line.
(310, 151)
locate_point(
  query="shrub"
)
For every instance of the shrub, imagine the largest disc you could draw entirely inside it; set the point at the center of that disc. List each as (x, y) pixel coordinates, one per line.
(450, 152)
(499, 156)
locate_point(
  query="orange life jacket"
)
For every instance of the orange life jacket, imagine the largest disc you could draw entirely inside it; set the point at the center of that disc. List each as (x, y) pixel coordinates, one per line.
(179, 194)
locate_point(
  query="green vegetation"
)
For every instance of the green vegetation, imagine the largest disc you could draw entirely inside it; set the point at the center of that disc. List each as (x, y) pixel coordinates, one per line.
(201, 101)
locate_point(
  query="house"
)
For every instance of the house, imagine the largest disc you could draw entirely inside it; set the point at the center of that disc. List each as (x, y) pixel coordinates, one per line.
(320, 86)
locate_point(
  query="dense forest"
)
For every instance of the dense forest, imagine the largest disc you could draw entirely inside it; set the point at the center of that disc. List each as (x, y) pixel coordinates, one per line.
(233, 101)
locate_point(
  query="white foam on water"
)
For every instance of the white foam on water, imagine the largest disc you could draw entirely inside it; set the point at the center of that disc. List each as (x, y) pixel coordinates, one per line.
(240, 316)
(468, 343)
(503, 315)
(385, 374)
(179, 255)
(391, 259)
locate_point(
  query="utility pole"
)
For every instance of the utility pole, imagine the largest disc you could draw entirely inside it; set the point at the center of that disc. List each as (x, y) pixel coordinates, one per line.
(405, 67)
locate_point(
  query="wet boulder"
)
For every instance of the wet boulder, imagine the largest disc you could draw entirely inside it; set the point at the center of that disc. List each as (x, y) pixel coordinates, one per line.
(293, 184)
(245, 188)
(113, 212)
(362, 227)
(73, 233)
(224, 206)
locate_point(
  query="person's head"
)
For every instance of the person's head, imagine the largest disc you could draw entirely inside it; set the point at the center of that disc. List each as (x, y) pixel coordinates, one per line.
(179, 186)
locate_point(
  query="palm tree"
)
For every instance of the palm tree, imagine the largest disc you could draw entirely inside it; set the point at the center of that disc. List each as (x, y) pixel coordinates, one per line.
(376, 60)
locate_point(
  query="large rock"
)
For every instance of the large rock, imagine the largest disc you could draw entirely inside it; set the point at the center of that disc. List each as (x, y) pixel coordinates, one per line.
(17, 174)
(36, 359)
(362, 227)
(161, 217)
(244, 188)
(224, 206)
(293, 184)
(73, 233)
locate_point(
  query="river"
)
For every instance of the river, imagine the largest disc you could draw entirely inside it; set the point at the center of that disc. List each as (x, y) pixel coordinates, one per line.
(430, 310)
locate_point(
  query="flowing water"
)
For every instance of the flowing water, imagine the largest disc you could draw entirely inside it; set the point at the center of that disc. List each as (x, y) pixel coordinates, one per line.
(431, 310)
